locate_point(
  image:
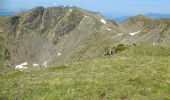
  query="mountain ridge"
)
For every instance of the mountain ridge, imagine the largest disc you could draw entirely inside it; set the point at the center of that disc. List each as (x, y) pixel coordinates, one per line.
(62, 35)
(57, 35)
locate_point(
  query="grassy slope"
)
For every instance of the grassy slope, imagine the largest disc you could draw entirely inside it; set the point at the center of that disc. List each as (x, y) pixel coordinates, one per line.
(141, 72)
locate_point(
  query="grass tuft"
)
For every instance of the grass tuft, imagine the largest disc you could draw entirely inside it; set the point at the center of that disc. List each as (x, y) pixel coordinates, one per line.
(62, 67)
(13, 74)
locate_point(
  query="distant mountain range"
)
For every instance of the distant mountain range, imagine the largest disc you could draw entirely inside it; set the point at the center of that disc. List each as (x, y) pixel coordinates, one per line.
(5, 12)
(157, 15)
(151, 15)
(117, 19)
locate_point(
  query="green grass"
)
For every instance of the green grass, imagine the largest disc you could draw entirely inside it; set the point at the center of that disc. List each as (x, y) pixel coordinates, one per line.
(13, 74)
(147, 50)
(138, 73)
(120, 48)
(58, 67)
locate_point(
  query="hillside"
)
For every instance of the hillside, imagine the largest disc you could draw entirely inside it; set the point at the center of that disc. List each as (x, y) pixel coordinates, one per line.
(140, 72)
(71, 53)
(147, 31)
(56, 36)
(62, 35)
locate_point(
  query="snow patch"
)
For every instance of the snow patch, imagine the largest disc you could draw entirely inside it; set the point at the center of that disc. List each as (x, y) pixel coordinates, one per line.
(24, 64)
(120, 34)
(70, 10)
(59, 54)
(35, 65)
(132, 34)
(86, 16)
(45, 64)
(103, 21)
(108, 29)
(21, 66)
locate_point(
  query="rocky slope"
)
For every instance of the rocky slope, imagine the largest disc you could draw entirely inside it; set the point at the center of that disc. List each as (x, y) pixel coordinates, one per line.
(62, 35)
(148, 31)
(57, 35)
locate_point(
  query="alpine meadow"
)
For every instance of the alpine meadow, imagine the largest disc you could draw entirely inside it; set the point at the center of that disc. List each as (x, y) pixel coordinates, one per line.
(73, 53)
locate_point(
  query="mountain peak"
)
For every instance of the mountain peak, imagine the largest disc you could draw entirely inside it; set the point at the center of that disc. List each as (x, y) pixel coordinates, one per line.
(137, 18)
(58, 35)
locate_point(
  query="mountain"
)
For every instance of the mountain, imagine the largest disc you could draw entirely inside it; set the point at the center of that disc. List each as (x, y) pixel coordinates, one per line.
(151, 15)
(56, 35)
(70, 53)
(148, 30)
(6, 12)
(157, 15)
(62, 35)
(120, 19)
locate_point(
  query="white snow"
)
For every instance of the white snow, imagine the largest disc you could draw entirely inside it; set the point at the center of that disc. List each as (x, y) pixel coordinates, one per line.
(70, 10)
(108, 29)
(21, 66)
(86, 16)
(35, 65)
(103, 21)
(120, 34)
(59, 54)
(132, 34)
(45, 64)
(24, 64)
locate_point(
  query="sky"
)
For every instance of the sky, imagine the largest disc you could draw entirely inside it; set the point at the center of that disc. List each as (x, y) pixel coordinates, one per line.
(109, 8)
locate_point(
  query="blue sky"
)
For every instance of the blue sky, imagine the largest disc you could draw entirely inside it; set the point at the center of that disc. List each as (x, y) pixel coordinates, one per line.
(109, 8)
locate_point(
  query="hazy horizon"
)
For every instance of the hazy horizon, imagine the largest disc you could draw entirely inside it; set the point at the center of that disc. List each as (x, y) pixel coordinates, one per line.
(109, 8)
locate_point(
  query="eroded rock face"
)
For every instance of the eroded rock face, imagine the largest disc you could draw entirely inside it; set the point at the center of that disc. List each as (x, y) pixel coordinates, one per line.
(60, 35)
(33, 20)
(13, 24)
(57, 35)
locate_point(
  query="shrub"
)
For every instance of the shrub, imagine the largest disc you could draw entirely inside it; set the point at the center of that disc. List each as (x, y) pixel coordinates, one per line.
(62, 67)
(119, 48)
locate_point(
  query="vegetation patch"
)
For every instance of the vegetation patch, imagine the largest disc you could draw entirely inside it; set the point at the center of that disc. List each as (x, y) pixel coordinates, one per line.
(14, 74)
(120, 48)
(62, 67)
(133, 75)
(117, 49)
(149, 50)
